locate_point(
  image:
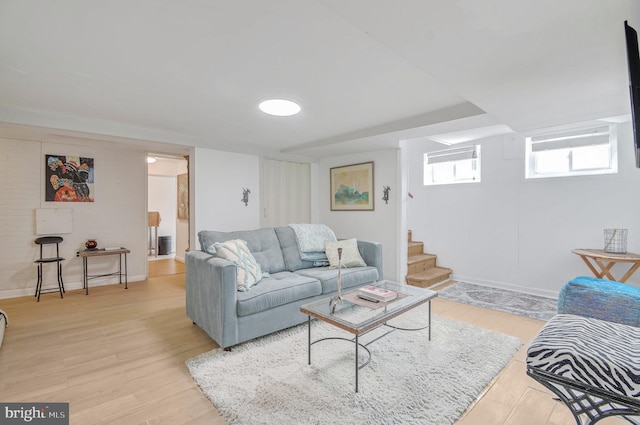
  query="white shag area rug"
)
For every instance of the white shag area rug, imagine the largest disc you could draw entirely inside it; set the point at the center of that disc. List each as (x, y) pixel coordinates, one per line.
(410, 380)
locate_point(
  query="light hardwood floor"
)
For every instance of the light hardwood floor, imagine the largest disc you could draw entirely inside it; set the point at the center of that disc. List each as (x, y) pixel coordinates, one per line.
(117, 356)
(164, 267)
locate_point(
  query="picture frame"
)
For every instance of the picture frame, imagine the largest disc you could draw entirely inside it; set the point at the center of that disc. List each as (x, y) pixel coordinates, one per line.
(68, 178)
(351, 187)
(183, 196)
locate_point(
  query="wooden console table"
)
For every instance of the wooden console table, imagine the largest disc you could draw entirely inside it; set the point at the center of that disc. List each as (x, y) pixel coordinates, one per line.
(85, 254)
(606, 260)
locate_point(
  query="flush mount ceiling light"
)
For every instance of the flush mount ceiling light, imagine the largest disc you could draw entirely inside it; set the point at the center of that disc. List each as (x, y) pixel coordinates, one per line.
(279, 107)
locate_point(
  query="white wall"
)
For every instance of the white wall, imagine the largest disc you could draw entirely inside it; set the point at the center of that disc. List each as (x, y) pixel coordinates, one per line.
(505, 232)
(381, 225)
(116, 218)
(518, 234)
(220, 176)
(217, 181)
(119, 214)
(182, 239)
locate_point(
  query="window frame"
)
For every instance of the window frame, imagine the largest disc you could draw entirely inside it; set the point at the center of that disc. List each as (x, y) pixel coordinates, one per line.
(454, 156)
(570, 141)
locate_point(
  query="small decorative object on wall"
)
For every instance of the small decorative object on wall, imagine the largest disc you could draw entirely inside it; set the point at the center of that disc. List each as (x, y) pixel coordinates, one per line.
(385, 194)
(68, 178)
(352, 187)
(183, 197)
(245, 196)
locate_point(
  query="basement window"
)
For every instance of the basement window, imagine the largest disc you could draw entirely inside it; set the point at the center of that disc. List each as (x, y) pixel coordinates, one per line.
(451, 166)
(574, 153)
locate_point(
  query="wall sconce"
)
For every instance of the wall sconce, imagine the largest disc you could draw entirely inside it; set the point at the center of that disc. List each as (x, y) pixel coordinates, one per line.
(245, 196)
(385, 194)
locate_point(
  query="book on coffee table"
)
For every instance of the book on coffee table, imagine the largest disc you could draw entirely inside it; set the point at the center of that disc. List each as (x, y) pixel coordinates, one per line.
(375, 293)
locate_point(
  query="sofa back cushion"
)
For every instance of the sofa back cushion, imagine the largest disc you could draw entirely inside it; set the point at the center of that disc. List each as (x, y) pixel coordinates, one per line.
(290, 250)
(262, 243)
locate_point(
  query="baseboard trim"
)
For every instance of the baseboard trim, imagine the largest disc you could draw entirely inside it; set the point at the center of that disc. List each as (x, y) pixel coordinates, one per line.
(68, 286)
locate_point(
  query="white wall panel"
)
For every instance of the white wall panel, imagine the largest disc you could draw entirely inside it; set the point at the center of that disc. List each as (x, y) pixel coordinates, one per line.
(217, 179)
(384, 223)
(19, 198)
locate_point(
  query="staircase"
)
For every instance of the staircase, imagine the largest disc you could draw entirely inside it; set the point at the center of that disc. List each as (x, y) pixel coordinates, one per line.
(422, 269)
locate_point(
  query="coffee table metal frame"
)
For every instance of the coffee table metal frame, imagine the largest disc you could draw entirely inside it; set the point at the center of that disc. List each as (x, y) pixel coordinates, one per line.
(409, 298)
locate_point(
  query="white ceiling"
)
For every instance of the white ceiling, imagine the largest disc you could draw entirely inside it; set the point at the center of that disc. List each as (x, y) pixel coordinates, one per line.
(367, 73)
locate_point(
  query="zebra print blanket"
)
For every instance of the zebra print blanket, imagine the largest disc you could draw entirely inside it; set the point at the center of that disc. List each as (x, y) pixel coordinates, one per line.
(594, 352)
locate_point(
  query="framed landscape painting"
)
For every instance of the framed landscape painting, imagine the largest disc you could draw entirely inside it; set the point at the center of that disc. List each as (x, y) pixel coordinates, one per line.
(352, 187)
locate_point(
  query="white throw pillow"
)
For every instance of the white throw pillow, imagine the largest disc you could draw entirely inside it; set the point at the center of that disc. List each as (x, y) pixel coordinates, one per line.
(249, 271)
(350, 254)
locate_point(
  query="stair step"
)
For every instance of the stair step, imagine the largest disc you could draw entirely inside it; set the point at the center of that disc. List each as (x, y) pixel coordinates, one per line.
(420, 263)
(429, 277)
(420, 257)
(415, 248)
(422, 269)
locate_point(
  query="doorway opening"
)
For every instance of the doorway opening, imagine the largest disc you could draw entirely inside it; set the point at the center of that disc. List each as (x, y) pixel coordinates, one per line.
(168, 214)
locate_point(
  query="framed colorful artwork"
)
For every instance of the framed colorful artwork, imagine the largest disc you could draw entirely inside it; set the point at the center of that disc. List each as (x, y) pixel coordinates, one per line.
(352, 187)
(68, 178)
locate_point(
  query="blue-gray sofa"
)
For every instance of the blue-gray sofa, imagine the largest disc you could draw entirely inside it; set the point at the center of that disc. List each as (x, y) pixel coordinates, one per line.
(231, 317)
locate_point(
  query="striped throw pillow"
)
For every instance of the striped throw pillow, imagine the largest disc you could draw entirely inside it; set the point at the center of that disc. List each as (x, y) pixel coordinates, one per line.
(249, 271)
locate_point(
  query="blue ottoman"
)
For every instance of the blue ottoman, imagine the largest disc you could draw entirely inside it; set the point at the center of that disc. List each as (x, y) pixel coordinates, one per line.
(601, 299)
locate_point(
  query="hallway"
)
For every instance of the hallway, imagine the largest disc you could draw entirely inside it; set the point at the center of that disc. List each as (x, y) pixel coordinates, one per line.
(165, 267)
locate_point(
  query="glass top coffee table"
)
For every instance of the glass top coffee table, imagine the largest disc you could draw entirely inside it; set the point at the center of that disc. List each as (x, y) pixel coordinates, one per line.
(358, 316)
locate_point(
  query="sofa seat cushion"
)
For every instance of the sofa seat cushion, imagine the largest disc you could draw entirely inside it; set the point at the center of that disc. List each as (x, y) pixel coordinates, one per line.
(593, 352)
(275, 290)
(351, 277)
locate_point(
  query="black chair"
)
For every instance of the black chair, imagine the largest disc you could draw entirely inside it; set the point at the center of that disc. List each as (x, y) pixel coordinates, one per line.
(49, 240)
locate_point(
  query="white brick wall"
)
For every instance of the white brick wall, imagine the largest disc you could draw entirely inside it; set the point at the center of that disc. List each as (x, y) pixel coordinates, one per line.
(19, 197)
(117, 217)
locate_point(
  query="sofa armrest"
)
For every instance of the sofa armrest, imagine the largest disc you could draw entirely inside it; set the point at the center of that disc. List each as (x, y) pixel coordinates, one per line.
(211, 295)
(600, 299)
(371, 253)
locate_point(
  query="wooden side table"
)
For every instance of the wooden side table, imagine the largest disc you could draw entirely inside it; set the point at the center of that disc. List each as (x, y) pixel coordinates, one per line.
(601, 262)
(85, 254)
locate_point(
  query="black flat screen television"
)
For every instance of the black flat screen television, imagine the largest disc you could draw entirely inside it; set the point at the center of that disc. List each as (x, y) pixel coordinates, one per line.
(633, 60)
